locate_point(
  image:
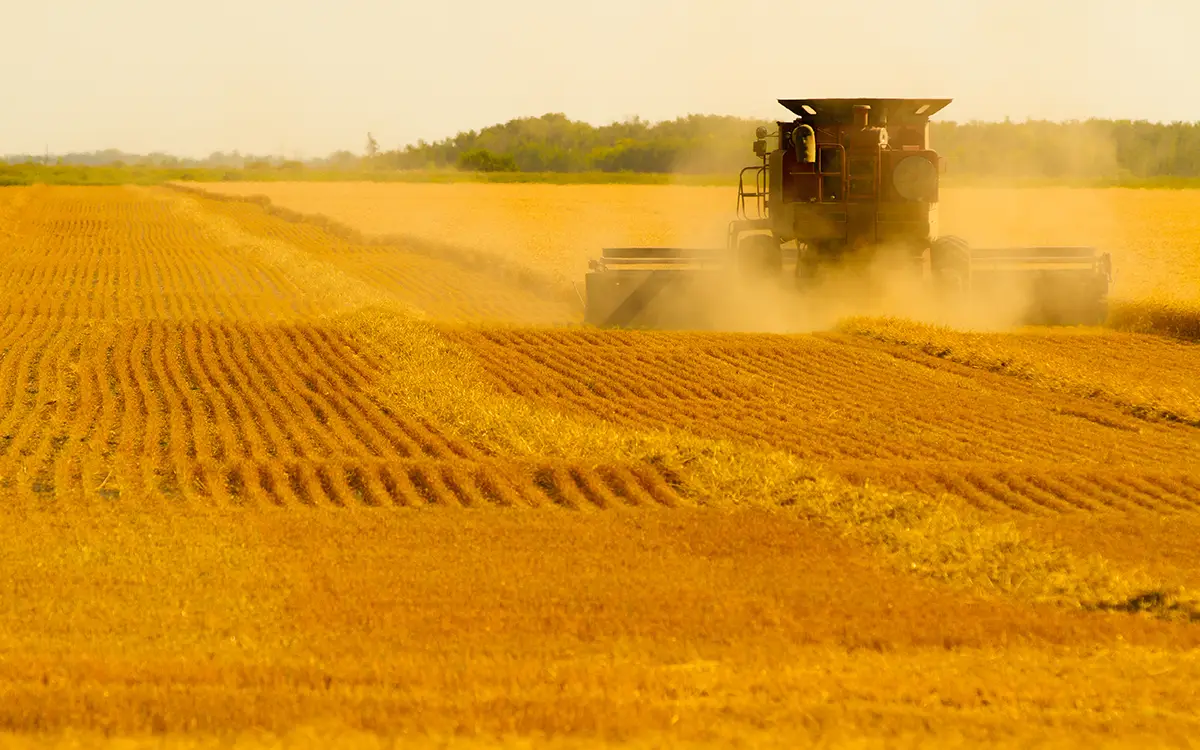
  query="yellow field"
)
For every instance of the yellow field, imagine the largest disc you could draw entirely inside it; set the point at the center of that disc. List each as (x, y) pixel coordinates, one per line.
(1150, 233)
(269, 480)
(556, 228)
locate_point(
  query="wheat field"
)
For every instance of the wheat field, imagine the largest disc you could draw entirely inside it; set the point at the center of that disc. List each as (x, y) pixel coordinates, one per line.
(1150, 233)
(340, 465)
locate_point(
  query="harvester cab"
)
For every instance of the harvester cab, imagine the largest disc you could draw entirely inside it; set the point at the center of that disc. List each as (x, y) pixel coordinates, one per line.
(844, 180)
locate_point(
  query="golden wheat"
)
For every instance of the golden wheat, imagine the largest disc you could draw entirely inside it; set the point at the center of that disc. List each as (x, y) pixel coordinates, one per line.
(862, 413)
(1151, 233)
(211, 409)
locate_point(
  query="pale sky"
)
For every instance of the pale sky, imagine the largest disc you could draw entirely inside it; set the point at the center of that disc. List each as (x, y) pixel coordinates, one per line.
(306, 77)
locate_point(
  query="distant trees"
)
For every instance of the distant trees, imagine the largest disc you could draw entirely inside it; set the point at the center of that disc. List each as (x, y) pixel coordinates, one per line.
(1083, 150)
(482, 160)
(555, 143)
(708, 144)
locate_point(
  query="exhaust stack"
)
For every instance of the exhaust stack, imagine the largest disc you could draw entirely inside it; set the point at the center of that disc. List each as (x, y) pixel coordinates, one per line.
(862, 113)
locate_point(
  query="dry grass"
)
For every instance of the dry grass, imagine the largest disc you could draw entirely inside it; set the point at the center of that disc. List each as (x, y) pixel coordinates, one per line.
(1151, 234)
(433, 376)
(555, 228)
(211, 412)
(681, 625)
(1147, 376)
(938, 537)
(1164, 545)
(907, 421)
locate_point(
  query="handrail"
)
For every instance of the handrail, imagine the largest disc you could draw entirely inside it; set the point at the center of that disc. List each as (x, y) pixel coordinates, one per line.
(759, 194)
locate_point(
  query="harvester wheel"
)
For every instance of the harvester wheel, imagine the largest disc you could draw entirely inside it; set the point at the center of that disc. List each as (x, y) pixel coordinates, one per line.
(950, 263)
(808, 263)
(759, 255)
(1097, 315)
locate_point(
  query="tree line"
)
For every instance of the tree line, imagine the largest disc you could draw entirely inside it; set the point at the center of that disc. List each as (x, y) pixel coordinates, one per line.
(708, 144)
(704, 144)
(1085, 150)
(701, 144)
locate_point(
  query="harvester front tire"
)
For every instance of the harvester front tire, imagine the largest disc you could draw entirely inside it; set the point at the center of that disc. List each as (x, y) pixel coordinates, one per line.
(808, 264)
(1097, 315)
(950, 263)
(760, 256)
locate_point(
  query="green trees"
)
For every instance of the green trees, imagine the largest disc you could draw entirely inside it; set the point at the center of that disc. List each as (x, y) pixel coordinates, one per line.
(1088, 150)
(1107, 151)
(555, 143)
(482, 160)
(1079, 150)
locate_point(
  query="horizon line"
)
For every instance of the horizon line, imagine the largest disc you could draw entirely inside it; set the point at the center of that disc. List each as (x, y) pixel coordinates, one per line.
(298, 154)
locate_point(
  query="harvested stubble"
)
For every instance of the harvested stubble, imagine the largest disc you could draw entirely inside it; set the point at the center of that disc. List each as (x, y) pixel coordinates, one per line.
(1146, 376)
(670, 627)
(1083, 462)
(920, 424)
(150, 350)
(1089, 481)
(164, 357)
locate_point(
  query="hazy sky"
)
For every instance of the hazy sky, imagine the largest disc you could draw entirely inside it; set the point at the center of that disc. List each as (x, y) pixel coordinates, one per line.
(305, 77)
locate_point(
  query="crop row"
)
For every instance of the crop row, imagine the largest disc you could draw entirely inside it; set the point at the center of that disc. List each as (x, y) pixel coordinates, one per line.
(1146, 375)
(995, 441)
(438, 281)
(114, 254)
(240, 412)
(147, 350)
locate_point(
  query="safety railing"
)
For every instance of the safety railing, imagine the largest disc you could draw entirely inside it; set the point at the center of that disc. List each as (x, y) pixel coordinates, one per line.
(759, 194)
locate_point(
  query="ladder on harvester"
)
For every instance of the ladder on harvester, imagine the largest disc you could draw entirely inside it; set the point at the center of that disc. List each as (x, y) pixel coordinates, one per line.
(758, 194)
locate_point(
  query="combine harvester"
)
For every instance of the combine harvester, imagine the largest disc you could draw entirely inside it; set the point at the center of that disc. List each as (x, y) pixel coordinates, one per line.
(850, 183)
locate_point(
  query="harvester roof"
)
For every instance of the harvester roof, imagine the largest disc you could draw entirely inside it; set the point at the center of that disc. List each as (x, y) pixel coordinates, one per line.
(835, 111)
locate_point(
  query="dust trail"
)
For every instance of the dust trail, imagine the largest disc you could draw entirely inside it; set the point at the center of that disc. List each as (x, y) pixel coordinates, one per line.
(886, 285)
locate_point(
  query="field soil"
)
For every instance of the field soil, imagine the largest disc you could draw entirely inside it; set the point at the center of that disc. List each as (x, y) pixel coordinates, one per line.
(342, 466)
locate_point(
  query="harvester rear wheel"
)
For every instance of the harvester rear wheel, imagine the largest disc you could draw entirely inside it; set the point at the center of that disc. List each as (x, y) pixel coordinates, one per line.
(759, 255)
(950, 263)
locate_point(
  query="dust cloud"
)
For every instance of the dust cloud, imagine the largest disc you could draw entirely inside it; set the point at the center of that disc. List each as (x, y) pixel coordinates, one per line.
(554, 230)
(888, 285)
